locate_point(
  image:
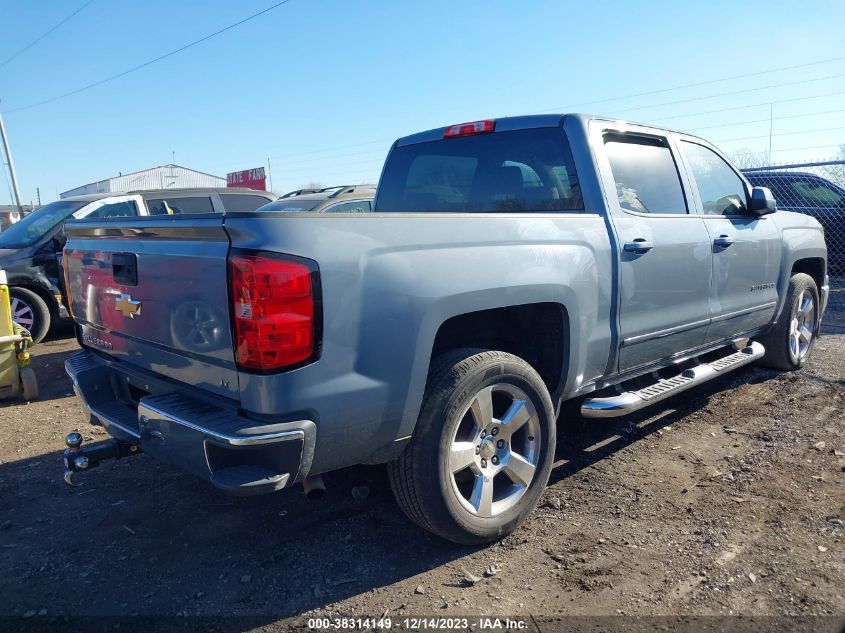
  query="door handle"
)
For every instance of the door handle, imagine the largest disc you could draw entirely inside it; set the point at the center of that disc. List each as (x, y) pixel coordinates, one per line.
(639, 245)
(724, 241)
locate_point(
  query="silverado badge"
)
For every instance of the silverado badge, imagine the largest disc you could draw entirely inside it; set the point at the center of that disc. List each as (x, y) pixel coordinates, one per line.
(126, 306)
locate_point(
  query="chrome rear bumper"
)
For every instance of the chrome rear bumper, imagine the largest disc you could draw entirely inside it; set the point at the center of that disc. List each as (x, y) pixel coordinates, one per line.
(183, 427)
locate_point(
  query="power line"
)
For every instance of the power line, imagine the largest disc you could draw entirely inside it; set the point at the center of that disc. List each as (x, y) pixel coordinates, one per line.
(766, 120)
(746, 107)
(42, 36)
(150, 62)
(750, 138)
(732, 92)
(795, 149)
(694, 85)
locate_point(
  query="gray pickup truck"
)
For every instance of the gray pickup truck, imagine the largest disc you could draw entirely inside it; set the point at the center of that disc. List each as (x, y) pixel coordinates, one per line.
(508, 266)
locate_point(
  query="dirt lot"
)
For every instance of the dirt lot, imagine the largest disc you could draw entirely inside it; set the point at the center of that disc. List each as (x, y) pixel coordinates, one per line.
(727, 500)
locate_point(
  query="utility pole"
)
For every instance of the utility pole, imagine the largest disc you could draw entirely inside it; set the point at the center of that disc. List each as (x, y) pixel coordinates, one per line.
(11, 164)
(771, 118)
(270, 174)
(38, 194)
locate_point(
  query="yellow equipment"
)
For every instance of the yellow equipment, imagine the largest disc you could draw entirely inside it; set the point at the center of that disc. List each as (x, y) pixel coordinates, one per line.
(16, 376)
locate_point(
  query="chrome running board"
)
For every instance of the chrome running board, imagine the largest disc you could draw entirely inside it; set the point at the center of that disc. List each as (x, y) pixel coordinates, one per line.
(629, 401)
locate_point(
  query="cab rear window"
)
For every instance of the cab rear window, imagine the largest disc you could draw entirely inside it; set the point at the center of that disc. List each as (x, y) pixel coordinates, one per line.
(501, 172)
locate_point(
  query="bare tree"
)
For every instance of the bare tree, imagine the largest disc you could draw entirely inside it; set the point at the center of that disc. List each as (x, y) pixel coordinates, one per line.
(746, 158)
(837, 172)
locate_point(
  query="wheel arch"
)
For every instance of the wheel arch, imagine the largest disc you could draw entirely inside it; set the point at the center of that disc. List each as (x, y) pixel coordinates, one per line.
(40, 290)
(546, 348)
(813, 266)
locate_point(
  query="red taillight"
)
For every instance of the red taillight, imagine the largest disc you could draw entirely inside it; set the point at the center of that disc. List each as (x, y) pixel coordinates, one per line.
(274, 311)
(468, 129)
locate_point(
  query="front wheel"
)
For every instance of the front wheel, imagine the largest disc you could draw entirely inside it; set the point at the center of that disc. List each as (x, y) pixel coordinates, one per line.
(483, 448)
(789, 342)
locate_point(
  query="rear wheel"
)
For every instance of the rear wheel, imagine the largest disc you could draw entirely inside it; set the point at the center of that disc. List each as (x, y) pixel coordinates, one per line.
(789, 343)
(30, 312)
(482, 450)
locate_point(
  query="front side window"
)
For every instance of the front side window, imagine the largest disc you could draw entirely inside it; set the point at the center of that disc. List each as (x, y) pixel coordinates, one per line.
(180, 205)
(499, 172)
(645, 174)
(721, 190)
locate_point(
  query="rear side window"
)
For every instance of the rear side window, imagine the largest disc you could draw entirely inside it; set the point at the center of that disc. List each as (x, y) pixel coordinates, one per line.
(721, 190)
(291, 205)
(179, 206)
(242, 202)
(127, 208)
(353, 206)
(645, 175)
(517, 171)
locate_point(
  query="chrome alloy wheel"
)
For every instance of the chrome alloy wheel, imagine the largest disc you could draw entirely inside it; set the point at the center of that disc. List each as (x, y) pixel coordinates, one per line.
(22, 313)
(803, 323)
(495, 450)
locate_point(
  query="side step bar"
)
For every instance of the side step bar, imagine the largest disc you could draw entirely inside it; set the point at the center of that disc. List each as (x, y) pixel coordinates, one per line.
(630, 401)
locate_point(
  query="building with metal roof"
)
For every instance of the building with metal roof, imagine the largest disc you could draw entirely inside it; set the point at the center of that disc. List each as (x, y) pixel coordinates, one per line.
(162, 177)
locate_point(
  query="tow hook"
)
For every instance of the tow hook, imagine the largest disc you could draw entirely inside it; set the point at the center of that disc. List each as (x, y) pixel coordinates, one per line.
(78, 459)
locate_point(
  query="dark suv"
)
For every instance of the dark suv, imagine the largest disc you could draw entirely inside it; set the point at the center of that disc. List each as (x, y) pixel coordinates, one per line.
(31, 249)
(807, 193)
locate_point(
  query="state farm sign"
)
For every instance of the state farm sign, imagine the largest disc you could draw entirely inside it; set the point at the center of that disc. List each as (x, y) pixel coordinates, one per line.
(249, 178)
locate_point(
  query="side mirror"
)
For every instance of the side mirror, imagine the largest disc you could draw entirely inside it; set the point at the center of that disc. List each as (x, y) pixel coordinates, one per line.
(762, 201)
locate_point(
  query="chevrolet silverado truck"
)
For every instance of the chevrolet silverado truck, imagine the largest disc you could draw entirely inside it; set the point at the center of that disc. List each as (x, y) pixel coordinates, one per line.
(508, 266)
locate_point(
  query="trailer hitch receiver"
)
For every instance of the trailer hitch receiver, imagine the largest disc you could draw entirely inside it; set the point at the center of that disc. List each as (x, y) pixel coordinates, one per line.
(78, 458)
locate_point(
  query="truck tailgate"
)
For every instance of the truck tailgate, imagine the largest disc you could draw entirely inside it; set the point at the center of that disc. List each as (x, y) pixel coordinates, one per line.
(154, 293)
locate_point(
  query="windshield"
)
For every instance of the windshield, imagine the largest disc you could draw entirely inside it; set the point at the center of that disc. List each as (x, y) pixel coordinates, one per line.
(38, 223)
(291, 205)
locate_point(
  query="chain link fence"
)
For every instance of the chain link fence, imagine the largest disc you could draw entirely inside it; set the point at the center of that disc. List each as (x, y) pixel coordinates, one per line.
(817, 189)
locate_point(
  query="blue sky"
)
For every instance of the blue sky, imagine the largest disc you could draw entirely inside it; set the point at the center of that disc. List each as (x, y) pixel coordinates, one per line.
(322, 87)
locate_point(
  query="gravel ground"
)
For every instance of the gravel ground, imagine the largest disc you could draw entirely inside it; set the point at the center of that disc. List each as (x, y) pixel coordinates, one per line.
(727, 500)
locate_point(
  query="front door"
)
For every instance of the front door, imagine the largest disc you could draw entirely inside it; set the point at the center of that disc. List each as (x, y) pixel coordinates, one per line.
(664, 252)
(746, 248)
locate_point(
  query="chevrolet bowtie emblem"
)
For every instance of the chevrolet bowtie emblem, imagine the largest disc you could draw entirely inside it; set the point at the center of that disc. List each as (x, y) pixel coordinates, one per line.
(126, 306)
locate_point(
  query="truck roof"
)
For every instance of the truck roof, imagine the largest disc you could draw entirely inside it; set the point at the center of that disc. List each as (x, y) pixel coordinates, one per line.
(91, 197)
(197, 190)
(525, 122)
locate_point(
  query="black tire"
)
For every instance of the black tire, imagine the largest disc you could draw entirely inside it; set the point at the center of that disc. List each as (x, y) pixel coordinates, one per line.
(780, 354)
(421, 478)
(29, 384)
(35, 309)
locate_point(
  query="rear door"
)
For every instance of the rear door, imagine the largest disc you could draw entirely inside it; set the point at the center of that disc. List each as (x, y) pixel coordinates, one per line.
(153, 292)
(663, 249)
(746, 248)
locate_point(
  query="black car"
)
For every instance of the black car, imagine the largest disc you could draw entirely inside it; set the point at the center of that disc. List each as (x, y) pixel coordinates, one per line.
(811, 194)
(31, 249)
